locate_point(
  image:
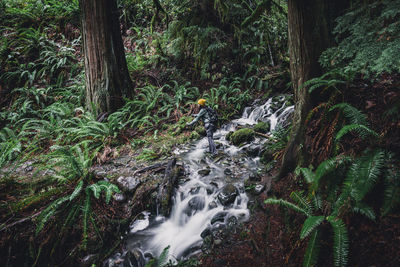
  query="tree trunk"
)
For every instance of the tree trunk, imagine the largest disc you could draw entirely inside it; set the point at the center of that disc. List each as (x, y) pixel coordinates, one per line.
(107, 77)
(308, 38)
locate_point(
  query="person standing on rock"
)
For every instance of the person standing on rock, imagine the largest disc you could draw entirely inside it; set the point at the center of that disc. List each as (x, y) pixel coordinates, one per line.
(209, 117)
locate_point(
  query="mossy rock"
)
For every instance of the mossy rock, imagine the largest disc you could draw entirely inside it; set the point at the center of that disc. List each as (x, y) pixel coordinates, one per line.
(200, 130)
(262, 127)
(194, 136)
(242, 136)
(229, 136)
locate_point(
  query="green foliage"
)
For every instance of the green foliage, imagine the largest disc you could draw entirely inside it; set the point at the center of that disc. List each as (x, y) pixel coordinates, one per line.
(358, 120)
(310, 224)
(361, 130)
(311, 255)
(341, 240)
(367, 39)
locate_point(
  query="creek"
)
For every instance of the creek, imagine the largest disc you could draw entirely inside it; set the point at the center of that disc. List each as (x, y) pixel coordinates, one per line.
(210, 196)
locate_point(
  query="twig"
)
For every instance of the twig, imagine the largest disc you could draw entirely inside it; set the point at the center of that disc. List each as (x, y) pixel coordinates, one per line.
(263, 135)
(20, 221)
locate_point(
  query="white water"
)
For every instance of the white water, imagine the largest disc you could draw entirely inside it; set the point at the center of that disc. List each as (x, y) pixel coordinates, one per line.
(196, 201)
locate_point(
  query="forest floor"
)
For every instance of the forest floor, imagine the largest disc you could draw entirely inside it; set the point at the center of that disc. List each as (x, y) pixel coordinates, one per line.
(272, 238)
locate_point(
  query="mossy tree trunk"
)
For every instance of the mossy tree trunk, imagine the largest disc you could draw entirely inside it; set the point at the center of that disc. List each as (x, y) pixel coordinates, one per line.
(308, 38)
(107, 77)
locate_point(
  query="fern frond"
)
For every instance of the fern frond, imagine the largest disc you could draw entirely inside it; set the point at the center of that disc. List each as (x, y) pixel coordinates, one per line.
(85, 212)
(310, 224)
(365, 210)
(302, 201)
(364, 173)
(361, 130)
(77, 190)
(46, 214)
(340, 241)
(354, 115)
(286, 204)
(163, 259)
(96, 189)
(309, 176)
(311, 255)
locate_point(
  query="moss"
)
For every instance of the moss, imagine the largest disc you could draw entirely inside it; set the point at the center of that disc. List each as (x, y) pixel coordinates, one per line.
(194, 136)
(200, 130)
(262, 127)
(242, 136)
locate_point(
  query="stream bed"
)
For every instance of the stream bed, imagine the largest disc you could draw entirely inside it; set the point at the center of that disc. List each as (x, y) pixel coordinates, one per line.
(211, 196)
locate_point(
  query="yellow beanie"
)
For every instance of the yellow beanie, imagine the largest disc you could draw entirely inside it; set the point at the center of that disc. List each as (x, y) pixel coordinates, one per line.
(201, 102)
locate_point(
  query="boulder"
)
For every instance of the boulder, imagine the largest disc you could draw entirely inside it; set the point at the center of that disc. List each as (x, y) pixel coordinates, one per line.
(242, 136)
(167, 186)
(262, 127)
(128, 184)
(219, 217)
(195, 204)
(228, 194)
(253, 150)
(204, 172)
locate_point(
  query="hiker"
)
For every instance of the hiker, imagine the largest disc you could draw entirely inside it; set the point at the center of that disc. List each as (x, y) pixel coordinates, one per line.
(209, 117)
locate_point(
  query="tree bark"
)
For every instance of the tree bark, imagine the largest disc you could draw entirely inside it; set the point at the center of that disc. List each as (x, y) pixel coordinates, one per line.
(107, 78)
(308, 38)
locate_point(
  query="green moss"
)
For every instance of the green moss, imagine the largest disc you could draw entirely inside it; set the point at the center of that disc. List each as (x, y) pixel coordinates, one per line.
(242, 136)
(200, 130)
(262, 127)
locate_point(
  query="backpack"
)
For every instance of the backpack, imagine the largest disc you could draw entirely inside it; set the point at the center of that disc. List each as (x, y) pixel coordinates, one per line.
(213, 115)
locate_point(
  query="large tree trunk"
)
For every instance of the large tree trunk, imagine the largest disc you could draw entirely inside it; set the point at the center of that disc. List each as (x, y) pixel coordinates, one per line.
(308, 38)
(107, 77)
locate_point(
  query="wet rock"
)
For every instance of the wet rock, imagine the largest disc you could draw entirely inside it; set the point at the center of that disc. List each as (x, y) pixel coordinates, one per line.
(219, 217)
(253, 150)
(212, 205)
(254, 176)
(194, 190)
(227, 171)
(128, 184)
(204, 172)
(119, 197)
(242, 136)
(134, 258)
(228, 194)
(262, 127)
(210, 190)
(258, 189)
(231, 222)
(167, 186)
(206, 232)
(195, 204)
(214, 184)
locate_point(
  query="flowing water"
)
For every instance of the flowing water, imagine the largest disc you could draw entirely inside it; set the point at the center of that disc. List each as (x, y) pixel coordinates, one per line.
(199, 203)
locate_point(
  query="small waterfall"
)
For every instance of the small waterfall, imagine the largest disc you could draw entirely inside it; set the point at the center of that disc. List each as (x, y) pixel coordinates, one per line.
(201, 202)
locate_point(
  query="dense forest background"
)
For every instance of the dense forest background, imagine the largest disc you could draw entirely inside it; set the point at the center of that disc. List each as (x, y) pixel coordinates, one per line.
(336, 168)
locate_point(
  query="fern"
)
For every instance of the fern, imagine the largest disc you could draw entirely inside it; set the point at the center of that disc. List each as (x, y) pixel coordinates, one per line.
(301, 200)
(76, 191)
(310, 224)
(351, 113)
(85, 212)
(365, 210)
(311, 255)
(286, 204)
(341, 240)
(48, 212)
(362, 130)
